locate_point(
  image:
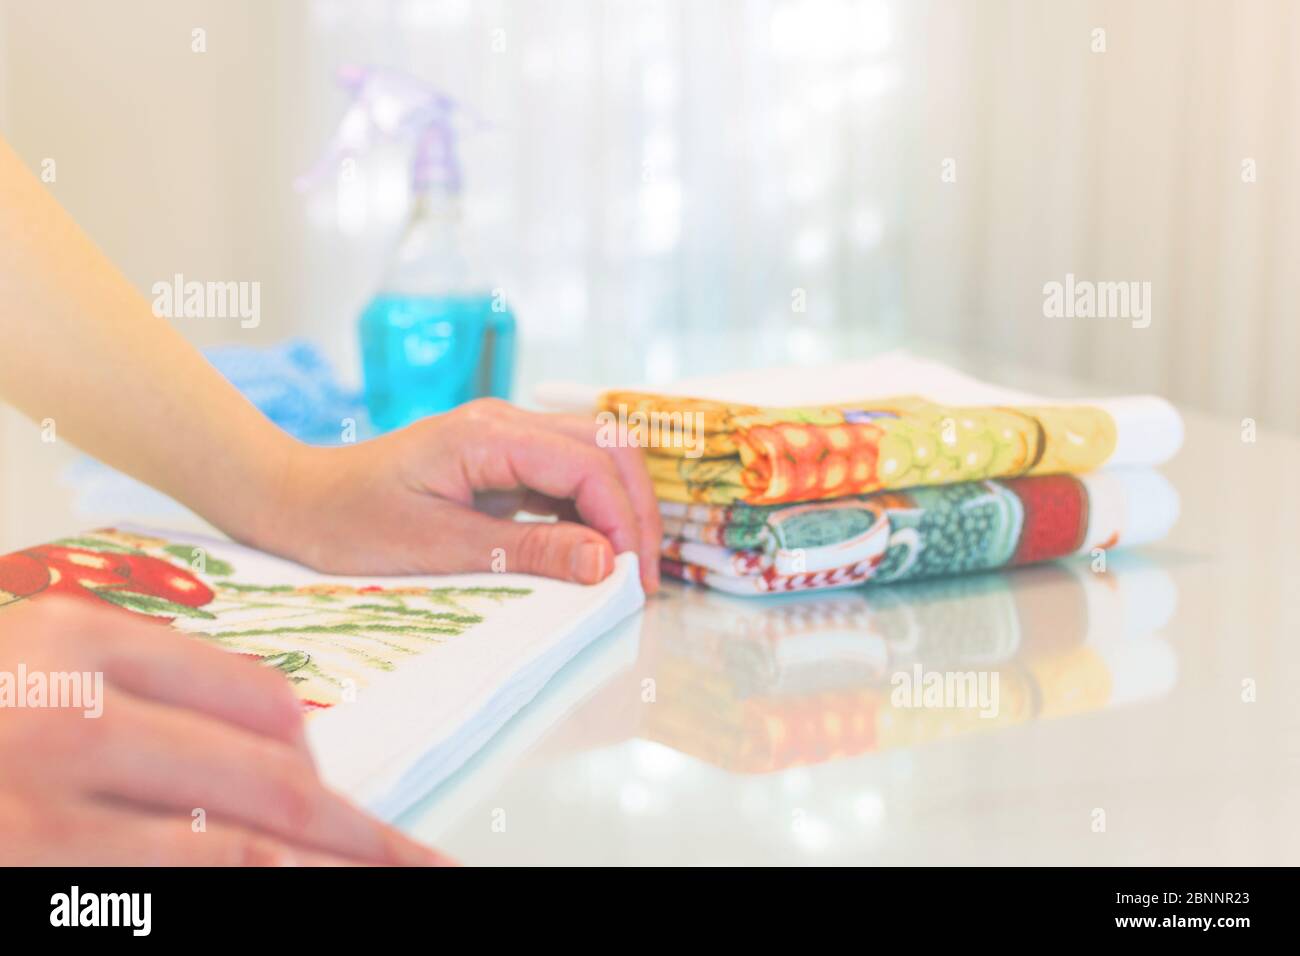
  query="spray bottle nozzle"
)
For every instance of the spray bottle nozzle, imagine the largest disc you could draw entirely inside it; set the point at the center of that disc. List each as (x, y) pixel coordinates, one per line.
(390, 106)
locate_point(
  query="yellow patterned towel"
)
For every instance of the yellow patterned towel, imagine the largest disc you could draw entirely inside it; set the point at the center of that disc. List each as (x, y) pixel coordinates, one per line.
(723, 453)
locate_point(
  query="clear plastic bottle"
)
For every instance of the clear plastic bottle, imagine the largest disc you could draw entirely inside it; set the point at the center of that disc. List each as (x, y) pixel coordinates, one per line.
(434, 337)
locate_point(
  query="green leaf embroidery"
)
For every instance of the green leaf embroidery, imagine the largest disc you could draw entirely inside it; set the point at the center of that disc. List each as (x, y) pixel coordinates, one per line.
(449, 616)
(289, 661)
(148, 604)
(211, 565)
(479, 592)
(345, 627)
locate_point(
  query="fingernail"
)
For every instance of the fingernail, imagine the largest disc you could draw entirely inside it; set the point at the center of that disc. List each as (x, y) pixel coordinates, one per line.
(589, 563)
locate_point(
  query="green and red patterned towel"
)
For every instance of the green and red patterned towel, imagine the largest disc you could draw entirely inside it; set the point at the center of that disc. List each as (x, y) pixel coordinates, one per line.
(921, 533)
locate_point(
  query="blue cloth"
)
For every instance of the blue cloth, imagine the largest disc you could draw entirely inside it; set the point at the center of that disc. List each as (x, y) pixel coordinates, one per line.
(293, 384)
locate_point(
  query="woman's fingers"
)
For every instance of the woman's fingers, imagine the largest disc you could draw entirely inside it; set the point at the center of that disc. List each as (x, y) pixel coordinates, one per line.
(486, 458)
(178, 760)
(147, 779)
(223, 844)
(94, 833)
(554, 549)
(97, 833)
(154, 661)
(631, 467)
(171, 668)
(446, 538)
(511, 455)
(150, 660)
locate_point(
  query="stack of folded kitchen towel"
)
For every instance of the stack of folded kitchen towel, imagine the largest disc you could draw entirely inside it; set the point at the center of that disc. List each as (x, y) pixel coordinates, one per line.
(925, 472)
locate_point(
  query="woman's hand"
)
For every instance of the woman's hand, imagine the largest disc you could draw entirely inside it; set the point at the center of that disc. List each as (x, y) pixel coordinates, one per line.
(196, 757)
(436, 498)
(429, 498)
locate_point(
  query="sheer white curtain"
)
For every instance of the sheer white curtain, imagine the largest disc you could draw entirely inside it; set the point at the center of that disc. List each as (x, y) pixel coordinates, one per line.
(673, 186)
(1167, 156)
(721, 173)
(771, 178)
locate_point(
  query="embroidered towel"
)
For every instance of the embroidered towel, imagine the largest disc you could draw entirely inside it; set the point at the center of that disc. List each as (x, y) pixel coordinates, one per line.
(403, 678)
(920, 533)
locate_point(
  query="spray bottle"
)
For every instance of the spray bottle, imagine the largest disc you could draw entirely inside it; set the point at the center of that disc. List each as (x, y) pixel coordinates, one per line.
(434, 336)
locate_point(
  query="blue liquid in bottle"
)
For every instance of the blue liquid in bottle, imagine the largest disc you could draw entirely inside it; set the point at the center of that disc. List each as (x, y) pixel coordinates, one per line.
(433, 337)
(423, 355)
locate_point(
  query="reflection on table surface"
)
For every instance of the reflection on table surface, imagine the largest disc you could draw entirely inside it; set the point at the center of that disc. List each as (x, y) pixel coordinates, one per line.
(756, 686)
(715, 729)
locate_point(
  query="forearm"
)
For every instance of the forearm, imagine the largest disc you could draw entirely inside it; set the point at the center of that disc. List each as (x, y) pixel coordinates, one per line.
(81, 347)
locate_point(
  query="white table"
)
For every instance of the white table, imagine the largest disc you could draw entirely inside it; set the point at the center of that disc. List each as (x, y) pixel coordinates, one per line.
(715, 730)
